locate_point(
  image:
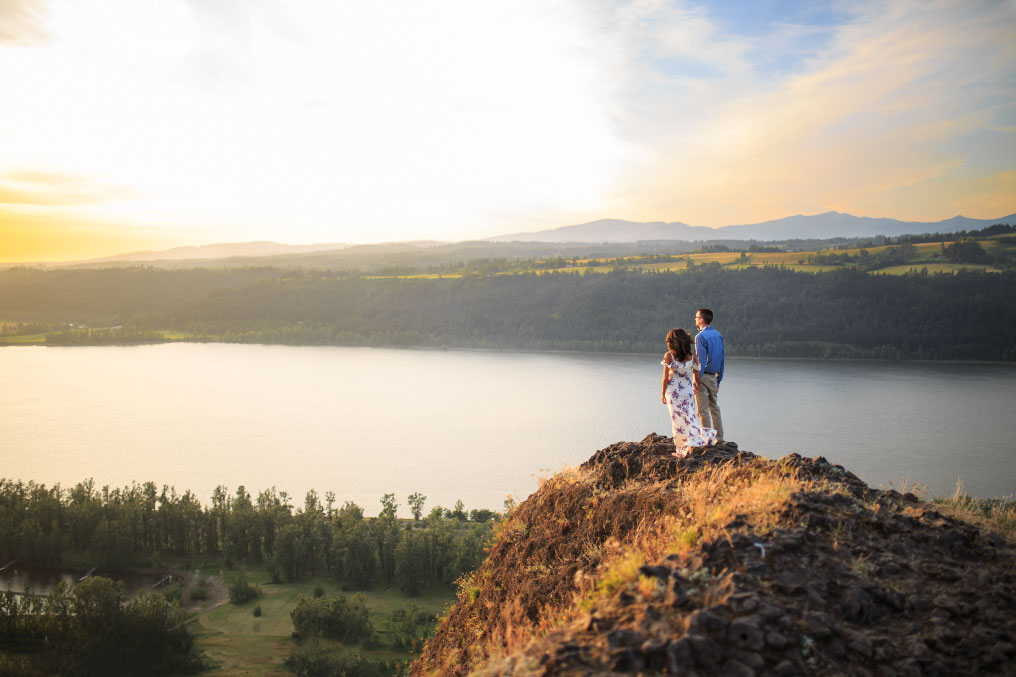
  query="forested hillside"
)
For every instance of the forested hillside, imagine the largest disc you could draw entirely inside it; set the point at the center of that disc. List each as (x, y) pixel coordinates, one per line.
(762, 311)
(138, 525)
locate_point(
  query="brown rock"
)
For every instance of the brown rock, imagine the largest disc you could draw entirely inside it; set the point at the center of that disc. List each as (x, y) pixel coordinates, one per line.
(744, 602)
(775, 640)
(623, 638)
(752, 659)
(655, 651)
(908, 667)
(787, 668)
(746, 633)
(874, 583)
(629, 660)
(858, 642)
(706, 622)
(816, 624)
(733, 668)
(706, 652)
(680, 660)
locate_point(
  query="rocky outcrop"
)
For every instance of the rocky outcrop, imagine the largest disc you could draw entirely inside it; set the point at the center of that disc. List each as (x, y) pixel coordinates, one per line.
(839, 579)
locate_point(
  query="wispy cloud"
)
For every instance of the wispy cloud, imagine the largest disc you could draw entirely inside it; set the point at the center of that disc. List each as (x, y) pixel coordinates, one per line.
(869, 126)
(320, 121)
(407, 115)
(23, 22)
(53, 189)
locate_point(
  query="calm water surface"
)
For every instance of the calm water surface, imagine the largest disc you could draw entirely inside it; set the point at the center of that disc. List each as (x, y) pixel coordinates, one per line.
(40, 580)
(472, 425)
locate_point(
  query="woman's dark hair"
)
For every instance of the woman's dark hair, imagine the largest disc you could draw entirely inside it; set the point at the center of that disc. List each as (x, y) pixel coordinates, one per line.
(679, 341)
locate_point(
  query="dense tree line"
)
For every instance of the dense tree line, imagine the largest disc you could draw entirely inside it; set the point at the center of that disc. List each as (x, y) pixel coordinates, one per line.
(762, 311)
(93, 630)
(988, 231)
(965, 251)
(765, 312)
(142, 525)
(95, 337)
(102, 297)
(961, 251)
(20, 328)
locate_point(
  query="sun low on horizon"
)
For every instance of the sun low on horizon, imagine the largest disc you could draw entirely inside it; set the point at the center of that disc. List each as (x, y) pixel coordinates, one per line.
(130, 124)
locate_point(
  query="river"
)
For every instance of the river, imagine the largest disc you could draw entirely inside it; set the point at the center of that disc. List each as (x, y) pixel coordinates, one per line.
(469, 425)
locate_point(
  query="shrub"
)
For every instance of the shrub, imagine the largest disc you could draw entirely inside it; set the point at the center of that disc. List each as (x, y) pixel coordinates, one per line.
(240, 591)
(99, 633)
(173, 592)
(404, 625)
(335, 618)
(257, 611)
(319, 592)
(321, 659)
(199, 591)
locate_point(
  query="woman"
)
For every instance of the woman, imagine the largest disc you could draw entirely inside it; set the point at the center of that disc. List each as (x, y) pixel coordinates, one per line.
(680, 379)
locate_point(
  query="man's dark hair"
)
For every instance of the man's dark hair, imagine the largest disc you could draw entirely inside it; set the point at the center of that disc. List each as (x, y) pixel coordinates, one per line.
(707, 315)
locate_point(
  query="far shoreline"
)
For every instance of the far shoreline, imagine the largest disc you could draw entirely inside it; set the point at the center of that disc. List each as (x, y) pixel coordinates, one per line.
(465, 349)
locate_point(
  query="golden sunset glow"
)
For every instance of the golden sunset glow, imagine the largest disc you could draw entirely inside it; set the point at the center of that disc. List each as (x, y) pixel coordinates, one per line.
(131, 124)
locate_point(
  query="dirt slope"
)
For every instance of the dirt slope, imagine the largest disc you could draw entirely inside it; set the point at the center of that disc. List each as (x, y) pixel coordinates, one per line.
(725, 563)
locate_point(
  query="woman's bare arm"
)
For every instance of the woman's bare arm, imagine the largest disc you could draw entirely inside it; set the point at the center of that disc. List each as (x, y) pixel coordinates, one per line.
(666, 378)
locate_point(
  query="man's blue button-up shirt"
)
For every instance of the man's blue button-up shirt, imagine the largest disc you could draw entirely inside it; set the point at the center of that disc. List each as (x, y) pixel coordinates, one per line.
(709, 348)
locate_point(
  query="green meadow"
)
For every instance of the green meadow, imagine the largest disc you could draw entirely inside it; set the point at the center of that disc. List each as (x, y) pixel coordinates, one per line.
(238, 643)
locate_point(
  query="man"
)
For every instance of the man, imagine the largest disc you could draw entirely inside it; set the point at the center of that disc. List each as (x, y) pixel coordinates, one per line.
(709, 349)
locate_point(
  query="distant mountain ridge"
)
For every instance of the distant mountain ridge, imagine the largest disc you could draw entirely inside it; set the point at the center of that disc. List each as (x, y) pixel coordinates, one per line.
(799, 227)
(220, 251)
(825, 226)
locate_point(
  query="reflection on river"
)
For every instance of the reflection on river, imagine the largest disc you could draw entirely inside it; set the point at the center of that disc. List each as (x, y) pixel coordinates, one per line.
(474, 425)
(40, 580)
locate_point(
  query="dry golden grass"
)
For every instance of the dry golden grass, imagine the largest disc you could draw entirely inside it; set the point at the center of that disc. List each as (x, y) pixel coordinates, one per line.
(574, 545)
(698, 509)
(995, 514)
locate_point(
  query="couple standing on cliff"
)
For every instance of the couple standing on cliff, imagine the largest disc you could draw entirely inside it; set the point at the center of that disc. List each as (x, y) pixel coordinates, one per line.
(691, 383)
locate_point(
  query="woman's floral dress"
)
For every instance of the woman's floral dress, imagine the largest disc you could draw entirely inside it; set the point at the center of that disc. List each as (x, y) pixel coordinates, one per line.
(680, 394)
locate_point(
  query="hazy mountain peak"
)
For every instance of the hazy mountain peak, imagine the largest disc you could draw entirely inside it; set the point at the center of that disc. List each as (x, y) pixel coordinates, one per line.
(826, 225)
(220, 250)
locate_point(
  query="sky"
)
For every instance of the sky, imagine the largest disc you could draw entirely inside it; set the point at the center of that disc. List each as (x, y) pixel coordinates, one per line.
(146, 124)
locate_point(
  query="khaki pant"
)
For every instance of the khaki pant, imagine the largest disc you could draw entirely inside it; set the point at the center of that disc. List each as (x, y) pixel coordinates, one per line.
(708, 409)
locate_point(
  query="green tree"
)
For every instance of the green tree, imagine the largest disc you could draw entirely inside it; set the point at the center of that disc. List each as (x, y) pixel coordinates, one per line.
(411, 563)
(289, 556)
(386, 535)
(240, 591)
(404, 625)
(388, 507)
(966, 251)
(416, 501)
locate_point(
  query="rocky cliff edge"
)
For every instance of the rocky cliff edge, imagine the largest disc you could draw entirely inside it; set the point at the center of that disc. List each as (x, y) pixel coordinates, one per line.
(727, 563)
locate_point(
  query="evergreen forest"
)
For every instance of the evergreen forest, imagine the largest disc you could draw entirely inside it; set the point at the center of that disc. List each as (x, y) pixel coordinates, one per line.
(142, 525)
(771, 311)
(92, 628)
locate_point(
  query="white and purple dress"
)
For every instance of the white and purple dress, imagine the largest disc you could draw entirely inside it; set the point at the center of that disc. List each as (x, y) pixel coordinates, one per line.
(680, 395)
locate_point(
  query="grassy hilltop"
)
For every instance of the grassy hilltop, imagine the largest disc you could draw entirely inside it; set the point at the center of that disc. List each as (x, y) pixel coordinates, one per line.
(728, 563)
